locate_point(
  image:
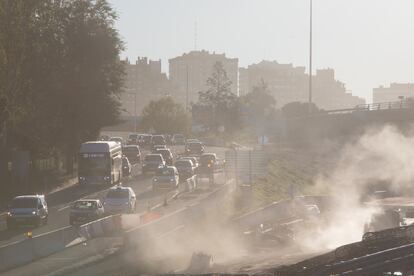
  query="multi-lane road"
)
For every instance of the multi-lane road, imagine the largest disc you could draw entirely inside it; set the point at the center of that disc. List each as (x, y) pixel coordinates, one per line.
(59, 203)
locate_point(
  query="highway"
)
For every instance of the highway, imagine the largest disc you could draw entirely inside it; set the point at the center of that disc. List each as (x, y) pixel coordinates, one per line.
(59, 203)
(59, 207)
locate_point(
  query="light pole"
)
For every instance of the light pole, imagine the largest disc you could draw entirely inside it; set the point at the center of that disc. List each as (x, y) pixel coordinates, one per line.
(310, 57)
(135, 110)
(186, 91)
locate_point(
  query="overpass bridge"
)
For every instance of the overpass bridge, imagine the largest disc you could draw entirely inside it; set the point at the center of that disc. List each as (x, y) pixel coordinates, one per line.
(347, 122)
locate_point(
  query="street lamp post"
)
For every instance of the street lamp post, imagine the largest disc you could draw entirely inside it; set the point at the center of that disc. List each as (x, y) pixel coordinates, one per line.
(186, 90)
(310, 57)
(135, 110)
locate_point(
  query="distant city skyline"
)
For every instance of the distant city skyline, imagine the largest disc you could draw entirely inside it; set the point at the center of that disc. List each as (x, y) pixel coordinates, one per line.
(363, 41)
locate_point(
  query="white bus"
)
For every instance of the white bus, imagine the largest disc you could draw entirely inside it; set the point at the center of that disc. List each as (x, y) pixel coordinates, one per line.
(100, 162)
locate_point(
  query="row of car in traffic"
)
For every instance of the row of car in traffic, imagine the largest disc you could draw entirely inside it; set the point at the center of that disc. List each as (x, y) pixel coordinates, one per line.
(99, 162)
(32, 210)
(147, 140)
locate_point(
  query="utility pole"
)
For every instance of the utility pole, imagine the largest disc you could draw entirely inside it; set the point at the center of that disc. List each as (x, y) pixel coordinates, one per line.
(135, 112)
(186, 91)
(310, 58)
(135, 109)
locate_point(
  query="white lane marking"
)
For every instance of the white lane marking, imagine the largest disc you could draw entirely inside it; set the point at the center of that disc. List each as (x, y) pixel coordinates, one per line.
(63, 208)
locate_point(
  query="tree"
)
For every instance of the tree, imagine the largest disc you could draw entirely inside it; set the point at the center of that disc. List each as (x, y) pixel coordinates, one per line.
(60, 74)
(222, 106)
(298, 109)
(259, 102)
(165, 116)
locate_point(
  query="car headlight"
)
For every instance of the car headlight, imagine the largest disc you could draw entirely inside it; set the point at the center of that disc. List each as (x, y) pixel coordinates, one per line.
(127, 203)
(155, 179)
(9, 214)
(34, 213)
(172, 179)
(82, 178)
(107, 177)
(144, 165)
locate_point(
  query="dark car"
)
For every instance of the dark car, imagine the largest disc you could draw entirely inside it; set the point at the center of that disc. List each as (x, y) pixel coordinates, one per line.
(192, 158)
(194, 148)
(167, 155)
(179, 139)
(158, 140)
(165, 177)
(133, 139)
(126, 166)
(168, 139)
(133, 153)
(86, 210)
(152, 162)
(27, 210)
(185, 169)
(154, 148)
(145, 140)
(104, 137)
(208, 162)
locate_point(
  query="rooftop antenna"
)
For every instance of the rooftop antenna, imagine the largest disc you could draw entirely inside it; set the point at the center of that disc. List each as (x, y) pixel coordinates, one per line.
(195, 35)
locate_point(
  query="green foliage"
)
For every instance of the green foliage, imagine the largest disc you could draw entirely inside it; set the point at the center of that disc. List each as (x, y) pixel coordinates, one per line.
(60, 72)
(165, 116)
(259, 102)
(298, 109)
(220, 107)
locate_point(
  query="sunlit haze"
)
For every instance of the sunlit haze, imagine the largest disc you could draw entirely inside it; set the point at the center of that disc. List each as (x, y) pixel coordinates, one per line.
(368, 43)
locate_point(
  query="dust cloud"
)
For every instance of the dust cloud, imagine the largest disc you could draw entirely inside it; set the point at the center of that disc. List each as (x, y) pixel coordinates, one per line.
(382, 159)
(206, 232)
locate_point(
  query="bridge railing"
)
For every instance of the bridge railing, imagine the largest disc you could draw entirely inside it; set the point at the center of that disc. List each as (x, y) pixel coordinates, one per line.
(407, 103)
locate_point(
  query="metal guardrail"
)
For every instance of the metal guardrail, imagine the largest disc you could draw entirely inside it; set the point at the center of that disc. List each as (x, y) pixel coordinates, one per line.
(403, 104)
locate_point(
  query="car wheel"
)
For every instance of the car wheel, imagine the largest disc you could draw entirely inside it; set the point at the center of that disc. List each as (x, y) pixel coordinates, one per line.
(11, 225)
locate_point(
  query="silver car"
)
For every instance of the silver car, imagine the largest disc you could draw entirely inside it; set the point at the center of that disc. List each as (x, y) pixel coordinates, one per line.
(27, 210)
(120, 200)
(165, 178)
(85, 210)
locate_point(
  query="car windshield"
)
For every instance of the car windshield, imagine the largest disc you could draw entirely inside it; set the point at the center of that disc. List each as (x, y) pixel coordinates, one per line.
(183, 164)
(133, 136)
(165, 172)
(158, 140)
(117, 194)
(94, 164)
(130, 150)
(164, 152)
(204, 159)
(152, 158)
(24, 202)
(194, 146)
(85, 205)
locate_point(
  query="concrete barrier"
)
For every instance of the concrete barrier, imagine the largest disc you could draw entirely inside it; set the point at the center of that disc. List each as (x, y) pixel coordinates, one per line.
(25, 251)
(16, 254)
(40, 246)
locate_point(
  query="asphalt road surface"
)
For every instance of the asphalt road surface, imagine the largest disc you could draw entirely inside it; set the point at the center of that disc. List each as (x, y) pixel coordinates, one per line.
(58, 263)
(59, 203)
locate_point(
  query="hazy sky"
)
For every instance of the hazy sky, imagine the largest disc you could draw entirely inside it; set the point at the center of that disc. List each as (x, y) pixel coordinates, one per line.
(368, 42)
